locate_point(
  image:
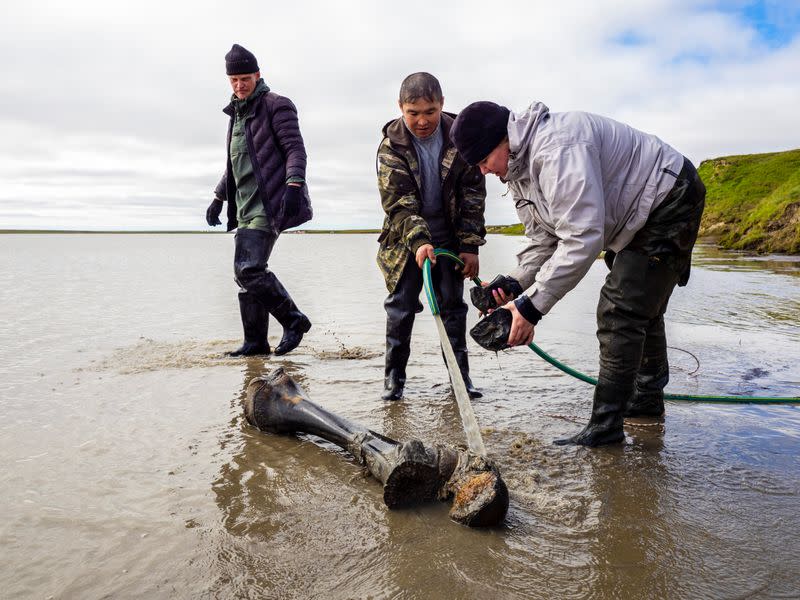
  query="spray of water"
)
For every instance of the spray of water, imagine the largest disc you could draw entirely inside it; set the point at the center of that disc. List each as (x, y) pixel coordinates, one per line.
(474, 439)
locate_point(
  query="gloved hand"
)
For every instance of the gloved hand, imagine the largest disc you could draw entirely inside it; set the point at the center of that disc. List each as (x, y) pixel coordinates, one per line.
(483, 299)
(292, 199)
(213, 211)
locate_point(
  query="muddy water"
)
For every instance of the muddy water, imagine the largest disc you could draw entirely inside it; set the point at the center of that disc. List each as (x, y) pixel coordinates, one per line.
(128, 470)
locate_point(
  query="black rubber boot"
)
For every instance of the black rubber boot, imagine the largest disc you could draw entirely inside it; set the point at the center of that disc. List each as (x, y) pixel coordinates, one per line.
(401, 307)
(254, 323)
(648, 395)
(399, 324)
(294, 323)
(454, 317)
(653, 375)
(281, 306)
(463, 366)
(605, 424)
(471, 389)
(646, 405)
(253, 248)
(393, 385)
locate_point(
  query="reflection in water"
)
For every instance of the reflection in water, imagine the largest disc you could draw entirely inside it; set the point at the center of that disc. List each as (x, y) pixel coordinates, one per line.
(238, 481)
(630, 545)
(711, 257)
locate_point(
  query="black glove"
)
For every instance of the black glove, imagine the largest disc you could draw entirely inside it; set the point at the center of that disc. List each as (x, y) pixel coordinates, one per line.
(213, 211)
(292, 199)
(492, 332)
(482, 297)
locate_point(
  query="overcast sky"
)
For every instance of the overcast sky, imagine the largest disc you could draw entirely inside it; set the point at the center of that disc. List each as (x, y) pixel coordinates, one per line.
(110, 111)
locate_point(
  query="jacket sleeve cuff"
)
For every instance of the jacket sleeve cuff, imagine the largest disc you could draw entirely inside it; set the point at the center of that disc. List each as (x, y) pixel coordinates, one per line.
(220, 191)
(295, 179)
(528, 310)
(417, 243)
(295, 172)
(468, 248)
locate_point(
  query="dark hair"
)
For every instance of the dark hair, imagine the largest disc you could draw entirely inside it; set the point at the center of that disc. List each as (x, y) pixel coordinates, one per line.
(420, 85)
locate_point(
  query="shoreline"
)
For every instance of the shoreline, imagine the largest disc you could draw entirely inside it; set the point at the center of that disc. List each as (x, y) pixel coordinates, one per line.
(711, 239)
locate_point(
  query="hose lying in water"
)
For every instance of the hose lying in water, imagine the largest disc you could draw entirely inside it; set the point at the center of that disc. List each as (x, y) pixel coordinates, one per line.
(585, 378)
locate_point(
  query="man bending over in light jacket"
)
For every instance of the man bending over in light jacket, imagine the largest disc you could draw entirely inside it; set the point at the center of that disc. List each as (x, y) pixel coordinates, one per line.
(583, 183)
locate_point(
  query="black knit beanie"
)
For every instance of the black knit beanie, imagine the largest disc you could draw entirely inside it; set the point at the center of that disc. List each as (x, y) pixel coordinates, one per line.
(240, 61)
(478, 129)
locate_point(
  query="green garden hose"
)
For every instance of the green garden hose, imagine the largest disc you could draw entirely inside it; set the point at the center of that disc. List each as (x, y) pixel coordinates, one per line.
(426, 275)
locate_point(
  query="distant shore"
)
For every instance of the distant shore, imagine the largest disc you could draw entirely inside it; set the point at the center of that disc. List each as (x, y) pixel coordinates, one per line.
(100, 231)
(504, 229)
(708, 235)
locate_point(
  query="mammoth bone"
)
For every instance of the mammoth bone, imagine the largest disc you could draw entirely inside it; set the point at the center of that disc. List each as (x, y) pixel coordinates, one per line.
(411, 472)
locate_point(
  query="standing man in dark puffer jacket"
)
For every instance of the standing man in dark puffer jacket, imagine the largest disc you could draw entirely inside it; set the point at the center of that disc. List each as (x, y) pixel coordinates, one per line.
(264, 185)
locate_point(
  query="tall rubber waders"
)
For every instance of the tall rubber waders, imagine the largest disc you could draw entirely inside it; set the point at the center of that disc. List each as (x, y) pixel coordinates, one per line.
(591, 380)
(474, 439)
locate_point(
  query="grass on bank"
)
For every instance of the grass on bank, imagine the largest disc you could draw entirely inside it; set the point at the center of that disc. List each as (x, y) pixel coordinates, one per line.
(517, 229)
(753, 201)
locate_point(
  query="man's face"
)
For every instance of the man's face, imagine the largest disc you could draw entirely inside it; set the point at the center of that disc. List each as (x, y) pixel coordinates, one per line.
(243, 85)
(422, 116)
(496, 163)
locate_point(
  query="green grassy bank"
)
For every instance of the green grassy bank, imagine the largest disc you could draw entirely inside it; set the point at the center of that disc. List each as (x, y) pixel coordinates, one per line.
(753, 201)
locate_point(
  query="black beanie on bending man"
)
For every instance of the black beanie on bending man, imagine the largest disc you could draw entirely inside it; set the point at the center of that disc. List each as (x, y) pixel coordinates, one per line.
(478, 129)
(240, 61)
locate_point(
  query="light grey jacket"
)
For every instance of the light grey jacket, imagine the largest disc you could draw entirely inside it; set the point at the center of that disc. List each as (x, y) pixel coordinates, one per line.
(582, 183)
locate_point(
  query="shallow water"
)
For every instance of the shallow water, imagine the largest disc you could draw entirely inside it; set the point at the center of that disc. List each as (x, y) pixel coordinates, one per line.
(129, 470)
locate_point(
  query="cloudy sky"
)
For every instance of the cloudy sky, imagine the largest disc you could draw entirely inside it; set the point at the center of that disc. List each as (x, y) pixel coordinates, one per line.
(110, 111)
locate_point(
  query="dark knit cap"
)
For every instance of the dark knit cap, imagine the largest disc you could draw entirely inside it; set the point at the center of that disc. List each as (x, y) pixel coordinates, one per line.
(240, 61)
(478, 129)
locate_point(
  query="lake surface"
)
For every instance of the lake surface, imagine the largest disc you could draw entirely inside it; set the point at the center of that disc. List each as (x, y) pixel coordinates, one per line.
(129, 471)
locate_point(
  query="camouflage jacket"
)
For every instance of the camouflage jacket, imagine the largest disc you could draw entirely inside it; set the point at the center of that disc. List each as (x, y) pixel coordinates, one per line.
(399, 181)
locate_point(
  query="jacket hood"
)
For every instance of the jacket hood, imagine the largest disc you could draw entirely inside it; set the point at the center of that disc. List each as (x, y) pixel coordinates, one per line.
(399, 135)
(521, 131)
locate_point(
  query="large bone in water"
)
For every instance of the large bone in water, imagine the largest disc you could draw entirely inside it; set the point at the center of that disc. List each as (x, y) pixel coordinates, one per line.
(411, 472)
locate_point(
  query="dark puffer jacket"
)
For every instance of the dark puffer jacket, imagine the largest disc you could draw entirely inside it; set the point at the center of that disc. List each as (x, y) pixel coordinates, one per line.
(277, 152)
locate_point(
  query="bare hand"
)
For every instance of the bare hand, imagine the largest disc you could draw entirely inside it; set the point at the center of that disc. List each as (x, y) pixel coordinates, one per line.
(521, 329)
(423, 252)
(471, 265)
(500, 297)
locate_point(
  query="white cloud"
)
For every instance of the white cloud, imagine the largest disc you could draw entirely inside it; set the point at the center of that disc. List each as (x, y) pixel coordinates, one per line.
(111, 117)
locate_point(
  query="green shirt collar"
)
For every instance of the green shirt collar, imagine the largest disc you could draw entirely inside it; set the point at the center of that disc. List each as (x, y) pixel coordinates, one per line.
(243, 106)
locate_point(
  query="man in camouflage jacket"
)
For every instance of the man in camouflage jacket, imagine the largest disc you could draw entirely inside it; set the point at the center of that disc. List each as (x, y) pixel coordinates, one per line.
(431, 198)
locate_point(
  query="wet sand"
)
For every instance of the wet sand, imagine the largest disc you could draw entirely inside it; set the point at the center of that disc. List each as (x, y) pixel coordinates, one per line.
(132, 473)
